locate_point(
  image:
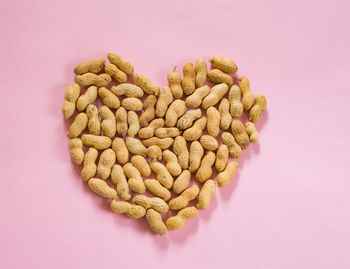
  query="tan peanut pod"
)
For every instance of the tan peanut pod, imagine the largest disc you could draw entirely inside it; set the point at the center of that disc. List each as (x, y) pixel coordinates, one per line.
(224, 177)
(130, 210)
(107, 160)
(225, 65)
(127, 89)
(70, 97)
(213, 124)
(221, 158)
(122, 64)
(196, 155)
(163, 143)
(155, 222)
(167, 132)
(119, 179)
(87, 98)
(252, 132)
(174, 80)
(171, 163)
(234, 149)
(116, 73)
(121, 117)
(154, 152)
(207, 192)
(201, 72)
(217, 76)
(93, 66)
(89, 79)
(101, 188)
(155, 203)
(120, 149)
(181, 151)
(234, 97)
(96, 141)
(182, 182)
(109, 123)
(240, 134)
(189, 79)
(178, 221)
(225, 116)
(184, 198)
(195, 132)
(146, 84)
(148, 110)
(163, 175)
(148, 131)
(132, 103)
(215, 95)
(205, 170)
(164, 100)
(90, 167)
(108, 98)
(135, 146)
(94, 124)
(157, 189)
(76, 150)
(78, 125)
(175, 111)
(258, 107)
(188, 118)
(133, 122)
(247, 95)
(141, 164)
(209, 143)
(135, 181)
(196, 98)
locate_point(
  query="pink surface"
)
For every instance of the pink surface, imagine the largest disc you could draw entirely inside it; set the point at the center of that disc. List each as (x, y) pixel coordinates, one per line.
(289, 204)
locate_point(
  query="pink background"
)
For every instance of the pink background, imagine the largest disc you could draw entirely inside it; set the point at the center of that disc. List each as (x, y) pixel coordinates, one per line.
(289, 204)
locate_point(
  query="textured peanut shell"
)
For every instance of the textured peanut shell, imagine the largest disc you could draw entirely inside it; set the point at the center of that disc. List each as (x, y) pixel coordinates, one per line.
(167, 132)
(78, 125)
(234, 97)
(178, 221)
(154, 152)
(157, 189)
(89, 79)
(109, 123)
(184, 198)
(148, 131)
(217, 76)
(200, 68)
(240, 134)
(87, 98)
(259, 106)
(164, 100)
(224, 177)
(195, 132)
(215, 95)
(107, 160)
(225, 116)
(93, 66)
(180, 149)
(133, 122)
(174, 79)
(94, 124)
(188, 118)
(108, 98)
(122, 64)
(155, 203)
(247, 95)
(127, 89)
(130, 210)
(208, 142)
(135, 181)
(163, 175)
(213, 124)
(175, 111)
(135, 146)
(96, 141)
(252, 132)
(171, 163)
(76, 150)
(101, 188)
(155, 222)
(207, 192)
(121, 117)
(196, 98)
(221, 158)
(182, 182)
(120, 149)
(225, 65)
(141, 164)
(70, 97)
(196, 155)
(205, 170)
(119, 179)
(163, 143)
(146, 84)
(116, 73)
(148, 110)
(90, 167)
(189, 78)
(234, 149)
(132, 103)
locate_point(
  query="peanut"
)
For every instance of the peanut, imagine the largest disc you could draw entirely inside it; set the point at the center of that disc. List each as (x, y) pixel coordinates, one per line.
(132, 211)
(155, 222)
(94, 124)
(178, 221)
(221, 158)
(251, 131)
(181, 151)
(122, 64)
(76, 150)
(182, 182)
(175, 111)
(171, 163)
(196, 98)
(70, 97)
(135, 181)
(121, 117)
(78, 125)
(108, 98)
(213, 124)
(234, 149)
(148, 110)
(87, 98)
(240, 134)
(135, 146)
(174, 79)
(225, 117)
(195, 132)
(163, 175)
(96, 141)
(189, 78)
(146, 84)
(204, 171)
(247, 95)
(157, 189)
(148, 131)
(116, 73)
(184, 198)
(209, 143)
(167, 132)
(120, 149)
(107, 160)
(225, 176)
(90, 167)
(155, 203)
(89, 79)
(188, 118)
(215, 95)
(165, 98)
(141, 164)
(201, 72)
(258, 107)
(93, 66)
(196, 154)
(119, 179)
(236, 107)
(207, 192)
(108, 124)
(225, 65)
(133, 122)
(132, 103)
(101, 188)
(217, 76)
(154, 152)
(163, 143)
(127, 89)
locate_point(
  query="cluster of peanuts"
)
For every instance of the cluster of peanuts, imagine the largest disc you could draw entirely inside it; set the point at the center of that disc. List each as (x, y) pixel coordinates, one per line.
(141, 129)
